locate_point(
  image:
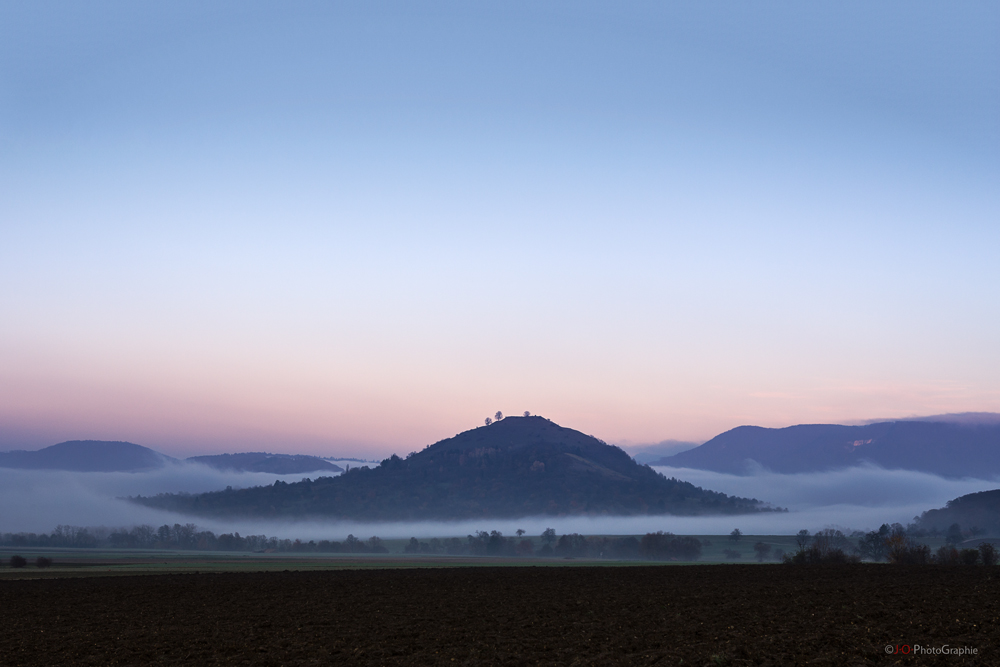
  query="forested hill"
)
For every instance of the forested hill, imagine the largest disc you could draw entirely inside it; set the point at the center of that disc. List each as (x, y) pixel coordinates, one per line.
(105, 456)
(279, 464)
(519, 466)
(87, 456)
(975, 510)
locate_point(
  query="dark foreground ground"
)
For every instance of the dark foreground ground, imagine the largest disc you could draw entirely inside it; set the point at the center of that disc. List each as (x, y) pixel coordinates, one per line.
(690, 615)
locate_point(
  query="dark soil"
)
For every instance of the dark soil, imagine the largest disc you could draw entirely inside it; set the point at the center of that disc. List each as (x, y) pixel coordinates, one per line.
(697, 615)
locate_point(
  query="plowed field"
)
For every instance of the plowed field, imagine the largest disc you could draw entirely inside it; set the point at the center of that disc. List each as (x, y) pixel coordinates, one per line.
(691, 615)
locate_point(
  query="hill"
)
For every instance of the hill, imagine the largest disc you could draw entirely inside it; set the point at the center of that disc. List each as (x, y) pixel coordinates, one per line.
(943, 448)
(87, 456)
(113, 456)
(279, 464)
(975, 510)
(519, 466)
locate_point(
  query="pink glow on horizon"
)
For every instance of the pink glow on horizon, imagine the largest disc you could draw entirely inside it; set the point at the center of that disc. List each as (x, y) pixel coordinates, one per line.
(335, 423)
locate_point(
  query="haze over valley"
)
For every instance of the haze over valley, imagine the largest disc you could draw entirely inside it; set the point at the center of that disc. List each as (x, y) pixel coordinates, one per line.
(860, 497)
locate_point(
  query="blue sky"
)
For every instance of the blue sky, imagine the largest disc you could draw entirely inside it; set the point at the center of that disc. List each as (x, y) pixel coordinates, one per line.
(363, 227)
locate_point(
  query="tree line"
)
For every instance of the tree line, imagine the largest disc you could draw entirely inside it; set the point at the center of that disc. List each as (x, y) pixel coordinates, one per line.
(651, 546)
(890, 543)
(184, 537)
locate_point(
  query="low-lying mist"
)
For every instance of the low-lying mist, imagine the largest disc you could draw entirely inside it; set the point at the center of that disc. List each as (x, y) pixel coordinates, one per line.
(38, 500)
(857, 498)
(860, 498)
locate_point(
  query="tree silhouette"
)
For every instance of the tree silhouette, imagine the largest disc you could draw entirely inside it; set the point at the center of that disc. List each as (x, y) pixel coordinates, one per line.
(527, 414)
(802, 539)
(872, 546)
(520, 532)
(498, 416)
(488, 421)
(762, 551)
(736, 535)
(549, 535)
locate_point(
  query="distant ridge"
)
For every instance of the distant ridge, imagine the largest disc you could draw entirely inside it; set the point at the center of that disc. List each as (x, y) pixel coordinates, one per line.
(279, 464)
(519, 466)
(956, 448)
(87, 456)
(116, 456)
(965, 418)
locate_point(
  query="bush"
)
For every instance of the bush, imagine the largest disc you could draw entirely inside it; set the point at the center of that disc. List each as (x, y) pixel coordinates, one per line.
(946, 555)
(572, 545)
(42, 561)
(969, 556)
(839, 556)
(900, 550)
(686, 548)
(831, 540)
(988, 554)
(872, 546)
(525, 548)
(815, 555)
(626, 548)
(909, 554)
(375, 545)
(667, 546)
(18, 561)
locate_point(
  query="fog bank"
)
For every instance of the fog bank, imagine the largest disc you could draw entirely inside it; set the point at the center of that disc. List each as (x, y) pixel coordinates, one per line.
(857, 498)
(39, 500)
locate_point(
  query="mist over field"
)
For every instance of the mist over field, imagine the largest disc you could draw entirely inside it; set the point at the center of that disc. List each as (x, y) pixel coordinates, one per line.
(857, 498)
(38, 500)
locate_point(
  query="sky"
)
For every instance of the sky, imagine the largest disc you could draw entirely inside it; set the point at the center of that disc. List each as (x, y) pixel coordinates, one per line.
(359, 228)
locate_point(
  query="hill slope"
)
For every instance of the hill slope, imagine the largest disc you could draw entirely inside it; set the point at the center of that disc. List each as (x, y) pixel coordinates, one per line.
(113, 456)
(87, 456)
(520, 466)
(949, 449)
(279, 464)
(975, 510)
